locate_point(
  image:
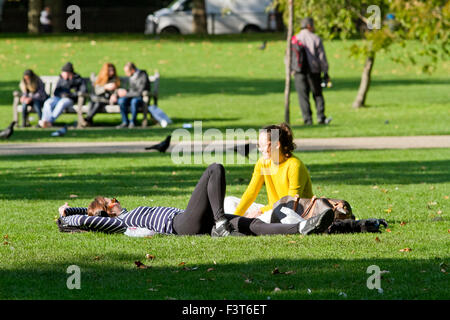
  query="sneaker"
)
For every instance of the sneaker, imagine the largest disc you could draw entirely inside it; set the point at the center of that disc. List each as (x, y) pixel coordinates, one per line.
(221, 229)
(44, 124)
(122, 126)
(319, 223)
(326, 121)
(131, 125)
(307, 122)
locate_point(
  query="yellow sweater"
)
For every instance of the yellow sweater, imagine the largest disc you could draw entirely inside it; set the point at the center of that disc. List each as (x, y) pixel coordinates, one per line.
(287, 178)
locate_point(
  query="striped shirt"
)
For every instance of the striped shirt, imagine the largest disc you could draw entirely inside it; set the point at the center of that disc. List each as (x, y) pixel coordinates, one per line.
(158, 219)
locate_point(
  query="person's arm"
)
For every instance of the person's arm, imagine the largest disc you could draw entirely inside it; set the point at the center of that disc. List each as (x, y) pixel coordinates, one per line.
(322, 58)
(299, 181)
(40, 93)
(99, 89)
(66, 210)
(252, 191)
(139, 86)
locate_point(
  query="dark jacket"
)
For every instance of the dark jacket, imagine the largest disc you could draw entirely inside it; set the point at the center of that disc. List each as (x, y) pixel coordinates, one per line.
(138, 84)
(70, 88)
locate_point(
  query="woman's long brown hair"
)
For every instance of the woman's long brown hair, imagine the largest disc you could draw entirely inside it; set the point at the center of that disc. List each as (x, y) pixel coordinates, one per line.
(285, 137)
(103, 75)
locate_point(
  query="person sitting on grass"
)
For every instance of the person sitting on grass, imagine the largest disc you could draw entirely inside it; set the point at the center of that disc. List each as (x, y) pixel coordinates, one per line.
(65, 95)
(283, 174)
(105, 91)
(132, 97)
(204, 214)
(33, 94)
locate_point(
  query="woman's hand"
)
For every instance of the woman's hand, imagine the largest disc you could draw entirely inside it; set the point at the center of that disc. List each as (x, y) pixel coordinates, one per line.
(113, 99)
(254, 214)
(121, 92)
(62, 209)
(110, 86)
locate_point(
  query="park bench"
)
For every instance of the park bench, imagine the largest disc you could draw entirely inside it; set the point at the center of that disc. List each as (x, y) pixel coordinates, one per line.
(82, 106)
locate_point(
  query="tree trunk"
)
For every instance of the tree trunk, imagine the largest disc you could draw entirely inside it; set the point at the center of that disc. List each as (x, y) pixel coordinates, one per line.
(34, 10)
(287, 87)
(58, 15)
(365, 82)
(199, 14)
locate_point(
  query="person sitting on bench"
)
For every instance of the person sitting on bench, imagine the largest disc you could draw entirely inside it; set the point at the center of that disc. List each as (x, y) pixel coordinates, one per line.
(105, 88)
(132, 97)
(33, 94)
(65, 95)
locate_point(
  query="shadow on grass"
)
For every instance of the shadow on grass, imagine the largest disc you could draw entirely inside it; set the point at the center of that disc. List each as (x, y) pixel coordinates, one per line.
(115, 276)
(35, 181)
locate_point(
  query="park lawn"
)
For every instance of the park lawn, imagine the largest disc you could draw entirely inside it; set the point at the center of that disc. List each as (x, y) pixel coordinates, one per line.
(408, 188)
(227, 82)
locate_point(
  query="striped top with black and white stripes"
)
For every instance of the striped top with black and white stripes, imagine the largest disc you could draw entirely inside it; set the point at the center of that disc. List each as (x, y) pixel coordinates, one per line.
(158, 219)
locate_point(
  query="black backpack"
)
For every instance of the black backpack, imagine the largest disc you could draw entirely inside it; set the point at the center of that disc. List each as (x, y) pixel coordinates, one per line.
(299, 62)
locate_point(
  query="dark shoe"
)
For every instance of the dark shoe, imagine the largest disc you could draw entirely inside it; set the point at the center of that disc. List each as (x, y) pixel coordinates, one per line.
(319, 223)
(325, 121)
(122, 126)
(221, 229)
(307, 122)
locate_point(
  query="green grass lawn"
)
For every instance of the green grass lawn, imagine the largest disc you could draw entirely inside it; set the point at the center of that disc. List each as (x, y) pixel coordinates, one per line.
(226, 82)
(408, 188)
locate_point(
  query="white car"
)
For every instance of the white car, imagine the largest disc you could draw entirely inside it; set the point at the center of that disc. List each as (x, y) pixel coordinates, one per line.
(223, 16)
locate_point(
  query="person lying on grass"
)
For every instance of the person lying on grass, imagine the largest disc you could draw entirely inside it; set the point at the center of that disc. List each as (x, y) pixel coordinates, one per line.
(283, 174)
(204, 214)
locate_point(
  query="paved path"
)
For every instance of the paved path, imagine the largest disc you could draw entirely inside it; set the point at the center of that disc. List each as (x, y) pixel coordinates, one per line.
(365, 143)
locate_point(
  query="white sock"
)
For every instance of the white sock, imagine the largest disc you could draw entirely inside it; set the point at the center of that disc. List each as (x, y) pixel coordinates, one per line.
(292, 217)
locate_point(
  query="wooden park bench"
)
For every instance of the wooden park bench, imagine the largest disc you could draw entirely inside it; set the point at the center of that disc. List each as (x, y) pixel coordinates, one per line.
(82, 106)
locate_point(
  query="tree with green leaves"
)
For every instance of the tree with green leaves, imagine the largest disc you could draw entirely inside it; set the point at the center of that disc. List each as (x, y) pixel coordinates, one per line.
(426, 21)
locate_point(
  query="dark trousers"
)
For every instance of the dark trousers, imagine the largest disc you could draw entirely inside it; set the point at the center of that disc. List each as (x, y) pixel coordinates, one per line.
(37, 106)
(205, 207)
(94, 107)
(304, 84)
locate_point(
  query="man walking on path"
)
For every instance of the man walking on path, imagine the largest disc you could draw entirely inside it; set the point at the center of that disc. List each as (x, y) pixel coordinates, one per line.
(310, 80)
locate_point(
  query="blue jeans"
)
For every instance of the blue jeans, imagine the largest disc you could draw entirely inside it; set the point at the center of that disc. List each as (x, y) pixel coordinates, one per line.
(37, 106)
(134, 104)
(53, 108)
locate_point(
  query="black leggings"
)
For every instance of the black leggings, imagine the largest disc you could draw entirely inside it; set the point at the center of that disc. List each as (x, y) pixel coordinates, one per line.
(205, 207)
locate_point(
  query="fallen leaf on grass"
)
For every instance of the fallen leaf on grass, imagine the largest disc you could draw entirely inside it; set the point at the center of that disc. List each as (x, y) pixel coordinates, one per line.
(149, 256)
(182, 263)
(152, 289)
(276, 289)
(292, 241)
(405, 250)
(60, 175)
(388, 210)
(377, 239)
(402, 223)
(388, 230)
(277, 271)
(73, 196)
(210, 269)
(140, 265)
(248, 281)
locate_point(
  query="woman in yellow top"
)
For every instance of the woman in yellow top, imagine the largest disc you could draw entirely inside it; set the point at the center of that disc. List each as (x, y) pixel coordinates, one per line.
(281, 172)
